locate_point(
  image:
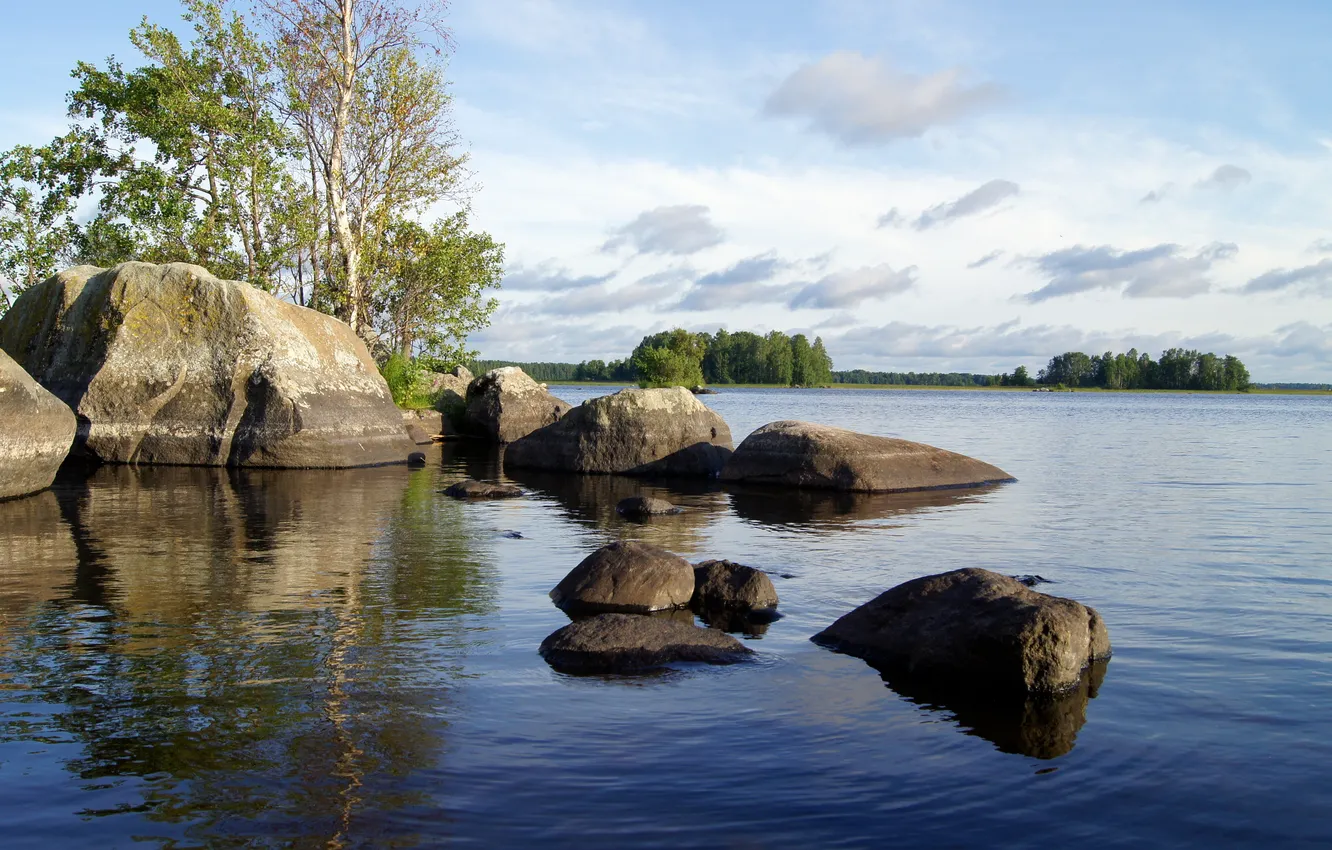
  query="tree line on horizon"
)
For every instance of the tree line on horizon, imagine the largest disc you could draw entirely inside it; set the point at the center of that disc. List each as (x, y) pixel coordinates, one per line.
(671, 357)
(295, 149)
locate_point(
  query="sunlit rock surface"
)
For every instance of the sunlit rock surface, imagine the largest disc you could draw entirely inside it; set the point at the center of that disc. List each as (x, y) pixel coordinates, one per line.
(170, 365)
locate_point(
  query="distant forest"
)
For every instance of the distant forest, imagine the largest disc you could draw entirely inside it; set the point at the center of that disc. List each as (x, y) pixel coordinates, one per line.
(680, 357)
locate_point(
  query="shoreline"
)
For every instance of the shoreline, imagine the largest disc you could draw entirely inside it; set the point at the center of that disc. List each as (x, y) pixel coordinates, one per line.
(723, 387)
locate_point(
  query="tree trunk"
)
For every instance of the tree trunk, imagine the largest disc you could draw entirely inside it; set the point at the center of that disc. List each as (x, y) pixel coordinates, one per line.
(351, 251)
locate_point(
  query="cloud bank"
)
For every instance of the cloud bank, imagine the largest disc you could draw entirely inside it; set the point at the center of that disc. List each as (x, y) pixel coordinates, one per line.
(679, 230)
(1164, 271)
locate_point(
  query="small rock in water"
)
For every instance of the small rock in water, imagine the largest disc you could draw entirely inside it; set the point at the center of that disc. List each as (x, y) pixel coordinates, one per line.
(641, 507)
(470, 489)
(1033, 580)
(416, 459)
(513, 535)
(630, 643)
(725, 584)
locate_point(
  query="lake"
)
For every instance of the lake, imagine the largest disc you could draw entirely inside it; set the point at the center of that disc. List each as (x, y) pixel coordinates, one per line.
(347, 658)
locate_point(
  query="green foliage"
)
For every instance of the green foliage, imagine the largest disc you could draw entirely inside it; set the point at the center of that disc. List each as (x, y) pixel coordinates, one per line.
(429, 284)
(659, 366)
(1177, 369)
(36, 219)
(406, 380)
(913, 379)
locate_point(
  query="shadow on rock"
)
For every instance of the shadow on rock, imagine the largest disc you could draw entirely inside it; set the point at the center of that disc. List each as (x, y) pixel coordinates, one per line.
(1040, 726)
(827, 510)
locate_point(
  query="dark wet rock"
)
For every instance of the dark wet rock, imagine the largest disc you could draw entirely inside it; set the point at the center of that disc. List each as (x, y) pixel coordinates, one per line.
(512, 535)
(806, 455)
(625, 577)
(470, 489)
(417, 459)
(170, 365)
(1033, 580)
(505, 405)
(36, 431)
(628, 643)
(702, 391)
(641, 507)
(632, 432)
(973, 628)
(1043, 726)
(728, 585)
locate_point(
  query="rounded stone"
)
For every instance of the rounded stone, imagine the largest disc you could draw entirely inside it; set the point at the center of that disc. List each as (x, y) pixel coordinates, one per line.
(629, 643)
(626, 577)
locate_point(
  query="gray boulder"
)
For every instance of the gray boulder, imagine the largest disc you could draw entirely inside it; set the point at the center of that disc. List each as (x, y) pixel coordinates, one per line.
(631, 432)
(627, 643)
(802, 454)
(973, 628)
(470, 489)
(642, 507)
(725, 585)
(170, 365)
(423, 426)
(505, 405)
(625, 577)
(36, 431)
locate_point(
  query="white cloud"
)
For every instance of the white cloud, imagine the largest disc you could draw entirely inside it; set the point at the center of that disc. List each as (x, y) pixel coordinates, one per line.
(985, 260)
(862, 100)
(1225, 177)
(548, 276)
(1163, 271)
(681, 230)
(1314, 279)
(849, 288)
(980, 199)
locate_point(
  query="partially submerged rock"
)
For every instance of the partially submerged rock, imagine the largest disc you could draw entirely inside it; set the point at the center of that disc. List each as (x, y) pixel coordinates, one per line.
(628, 643)
(631, 432)
(642, 507)
(802, 454)
(973, 628)
(170, 365)
(505, 405)
(726, 585)
(625, 577)
(470, 489)
(423, 426)
(36, 431)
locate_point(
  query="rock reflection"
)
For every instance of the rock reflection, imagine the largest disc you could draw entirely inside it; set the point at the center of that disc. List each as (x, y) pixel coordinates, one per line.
(1043, 727)
(591, 500)
(825, 510)
(272, 651)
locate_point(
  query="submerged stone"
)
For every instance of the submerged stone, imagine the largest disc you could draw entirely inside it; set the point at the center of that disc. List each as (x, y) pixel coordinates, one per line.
(470, 489)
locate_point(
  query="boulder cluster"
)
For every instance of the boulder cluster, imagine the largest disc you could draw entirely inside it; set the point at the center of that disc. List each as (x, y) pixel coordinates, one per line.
(167, 364)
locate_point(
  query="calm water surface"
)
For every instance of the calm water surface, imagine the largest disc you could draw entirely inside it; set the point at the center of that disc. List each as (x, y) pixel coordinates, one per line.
(199, 657)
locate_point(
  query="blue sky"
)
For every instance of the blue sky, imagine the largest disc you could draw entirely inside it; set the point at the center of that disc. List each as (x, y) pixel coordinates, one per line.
(927, 185)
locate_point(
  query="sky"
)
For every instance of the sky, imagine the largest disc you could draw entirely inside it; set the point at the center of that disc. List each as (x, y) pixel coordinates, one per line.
(928, 186)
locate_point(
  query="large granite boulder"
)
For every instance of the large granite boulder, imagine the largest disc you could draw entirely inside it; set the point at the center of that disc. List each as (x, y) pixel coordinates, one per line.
(36, 431)
(973, 628)
(802, 454)
(627, 643)
(625, 577)
(505, 405)
(170, 365)
(631, 432)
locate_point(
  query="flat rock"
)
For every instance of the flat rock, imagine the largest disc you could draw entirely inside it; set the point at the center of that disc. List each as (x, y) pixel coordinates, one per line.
(639, 507)
(631, 432)
(470, 489)
(626, 577)
(36, 431)
(732, 586)
(628, 643)
(806, 455)
(505, 405)
(972, 628)
(170, 365)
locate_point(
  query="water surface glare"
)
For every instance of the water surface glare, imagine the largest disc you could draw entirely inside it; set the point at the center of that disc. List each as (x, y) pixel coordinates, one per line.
(194, 657)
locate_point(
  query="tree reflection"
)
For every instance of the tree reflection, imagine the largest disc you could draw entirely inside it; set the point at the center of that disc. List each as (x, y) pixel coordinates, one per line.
(272, 651)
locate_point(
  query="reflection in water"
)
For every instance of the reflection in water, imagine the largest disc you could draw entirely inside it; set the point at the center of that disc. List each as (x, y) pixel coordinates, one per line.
(1043, 727)
(242, 642)
(827, 510)
(591, 500)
